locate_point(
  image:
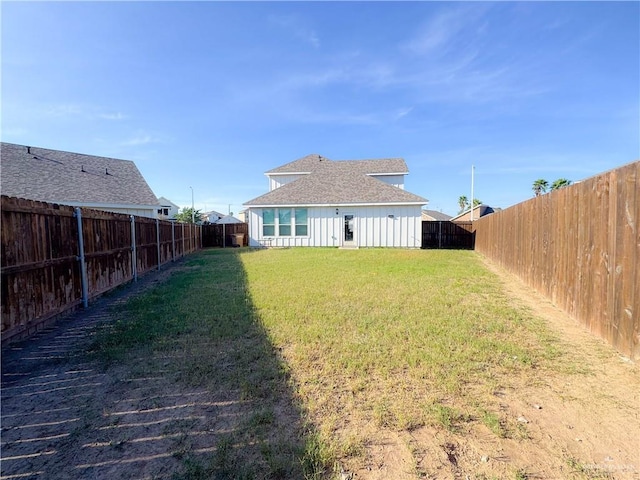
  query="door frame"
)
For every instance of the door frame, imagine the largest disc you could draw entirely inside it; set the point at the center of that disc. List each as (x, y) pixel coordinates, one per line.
(354, 230)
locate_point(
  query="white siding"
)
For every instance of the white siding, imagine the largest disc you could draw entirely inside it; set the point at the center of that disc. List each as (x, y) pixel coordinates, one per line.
(395, 180)
(375, 226)
(280, 180)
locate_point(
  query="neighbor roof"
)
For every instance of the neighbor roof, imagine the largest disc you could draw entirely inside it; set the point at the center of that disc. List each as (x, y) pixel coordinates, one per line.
(56, 176)
(340, 183)
(436, 215)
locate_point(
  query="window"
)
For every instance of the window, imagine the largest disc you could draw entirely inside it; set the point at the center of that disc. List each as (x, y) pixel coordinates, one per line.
(268, 222)
(301, 222)
(284, 222)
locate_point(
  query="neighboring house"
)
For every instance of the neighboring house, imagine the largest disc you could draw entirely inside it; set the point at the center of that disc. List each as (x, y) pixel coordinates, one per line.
(317, 202)
(227, 219)
(167, 209)
(211, 217)
(434, 215)
(75, 179)
(242, 216)
(478, 211)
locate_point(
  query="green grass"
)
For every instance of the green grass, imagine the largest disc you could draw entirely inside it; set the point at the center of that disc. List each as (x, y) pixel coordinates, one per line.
(400, 337)
(390, 339)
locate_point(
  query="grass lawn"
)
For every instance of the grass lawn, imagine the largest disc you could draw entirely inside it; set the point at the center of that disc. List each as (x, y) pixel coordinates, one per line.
(328, 347)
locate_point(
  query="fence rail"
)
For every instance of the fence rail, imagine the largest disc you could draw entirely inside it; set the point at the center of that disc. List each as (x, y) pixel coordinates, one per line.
(55, 257)
(579, 246)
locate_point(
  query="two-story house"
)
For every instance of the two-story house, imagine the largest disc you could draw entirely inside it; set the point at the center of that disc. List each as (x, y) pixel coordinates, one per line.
(318, 202)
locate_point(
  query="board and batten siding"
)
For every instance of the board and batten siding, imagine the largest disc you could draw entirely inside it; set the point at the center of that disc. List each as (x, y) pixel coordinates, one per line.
(276, 181)
(395, 180)
(375, 226)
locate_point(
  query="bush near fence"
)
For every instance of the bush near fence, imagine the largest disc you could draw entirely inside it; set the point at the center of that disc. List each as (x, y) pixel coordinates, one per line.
(580, 247)
(41, 274)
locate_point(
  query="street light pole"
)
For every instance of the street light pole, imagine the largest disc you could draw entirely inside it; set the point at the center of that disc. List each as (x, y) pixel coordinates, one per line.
(193, 213)
(472, 201)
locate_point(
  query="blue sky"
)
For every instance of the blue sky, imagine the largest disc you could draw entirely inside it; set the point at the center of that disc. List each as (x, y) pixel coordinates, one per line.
(210, 95)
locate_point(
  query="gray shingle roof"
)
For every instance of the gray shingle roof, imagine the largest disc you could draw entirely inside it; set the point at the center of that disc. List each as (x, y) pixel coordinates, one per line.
(339, 183)
(314, 161)
(436, 215)
(59, 177)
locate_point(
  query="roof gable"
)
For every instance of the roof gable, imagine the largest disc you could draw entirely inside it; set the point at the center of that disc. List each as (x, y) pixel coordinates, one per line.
(57, 176)
(336, 184)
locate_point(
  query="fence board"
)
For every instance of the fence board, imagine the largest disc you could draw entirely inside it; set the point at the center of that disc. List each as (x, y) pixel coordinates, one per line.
(580, 247)
(41, 276)
(446, 234)
(217, 235)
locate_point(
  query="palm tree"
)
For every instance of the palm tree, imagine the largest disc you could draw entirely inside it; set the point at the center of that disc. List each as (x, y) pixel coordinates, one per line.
(540, 186)
(463, 201)
(560, 183)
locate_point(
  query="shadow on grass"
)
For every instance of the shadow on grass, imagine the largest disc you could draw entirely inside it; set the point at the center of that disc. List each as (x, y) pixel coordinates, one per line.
(184, 383)
(201, 331)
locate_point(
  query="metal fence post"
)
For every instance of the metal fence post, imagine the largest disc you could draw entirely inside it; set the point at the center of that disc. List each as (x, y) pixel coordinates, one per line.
(173, 241)
(134, 258)
(83, 263)
(158, 240)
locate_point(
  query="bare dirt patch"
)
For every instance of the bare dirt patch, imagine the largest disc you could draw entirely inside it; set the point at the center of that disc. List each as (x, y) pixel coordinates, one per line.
(582, 424)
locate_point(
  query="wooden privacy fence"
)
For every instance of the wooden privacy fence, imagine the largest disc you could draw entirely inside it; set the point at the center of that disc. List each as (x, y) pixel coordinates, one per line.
(579, 246)
(48, 267)
(225, 235)
(446, 234)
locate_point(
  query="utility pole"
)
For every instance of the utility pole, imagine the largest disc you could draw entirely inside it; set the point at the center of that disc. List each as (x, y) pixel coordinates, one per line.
(472, 201)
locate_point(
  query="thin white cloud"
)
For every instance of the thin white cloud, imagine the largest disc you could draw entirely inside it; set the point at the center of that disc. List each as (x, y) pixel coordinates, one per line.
(14, 132)
(140, 139)
(296, 27)
(446, 29)
(112, 116)
(64, 110)
(403, 112)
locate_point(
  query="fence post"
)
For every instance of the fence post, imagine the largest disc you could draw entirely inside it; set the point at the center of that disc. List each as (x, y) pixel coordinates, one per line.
(182, 239)
(134, 258)
(83, 264)
(440, 234)
(173, 241)
(158, 240)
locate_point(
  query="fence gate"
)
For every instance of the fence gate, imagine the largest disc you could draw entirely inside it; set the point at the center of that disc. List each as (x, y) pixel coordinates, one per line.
(446, 234)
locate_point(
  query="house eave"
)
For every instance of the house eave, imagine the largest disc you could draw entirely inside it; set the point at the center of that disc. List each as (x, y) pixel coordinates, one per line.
(129, 206)
(346, 204)
(285, 173)
(384, 174)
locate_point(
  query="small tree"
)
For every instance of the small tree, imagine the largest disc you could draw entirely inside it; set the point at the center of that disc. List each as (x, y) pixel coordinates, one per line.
(540, 186)
(560, 183)
(464, 204)
(188, 215)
